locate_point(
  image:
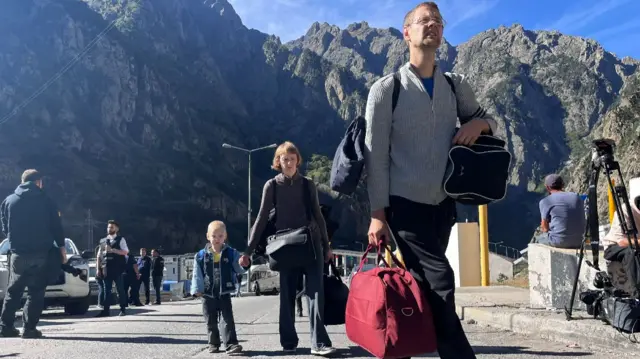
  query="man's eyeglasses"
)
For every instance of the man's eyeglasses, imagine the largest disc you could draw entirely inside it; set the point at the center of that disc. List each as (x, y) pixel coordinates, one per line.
(428, 20)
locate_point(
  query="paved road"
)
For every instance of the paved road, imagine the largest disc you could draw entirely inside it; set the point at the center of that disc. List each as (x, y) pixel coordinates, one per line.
(176, 330)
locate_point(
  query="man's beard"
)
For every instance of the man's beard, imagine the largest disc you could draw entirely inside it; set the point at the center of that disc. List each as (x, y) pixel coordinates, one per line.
(111, 233)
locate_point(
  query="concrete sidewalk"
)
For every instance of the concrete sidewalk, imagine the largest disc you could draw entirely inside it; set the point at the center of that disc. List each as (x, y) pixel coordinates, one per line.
(508, 308)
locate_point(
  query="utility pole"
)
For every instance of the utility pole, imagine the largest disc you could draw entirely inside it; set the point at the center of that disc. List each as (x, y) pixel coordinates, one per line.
(90, 239)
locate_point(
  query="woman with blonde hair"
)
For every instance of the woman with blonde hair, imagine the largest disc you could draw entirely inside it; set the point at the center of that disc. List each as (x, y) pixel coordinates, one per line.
(298, 223)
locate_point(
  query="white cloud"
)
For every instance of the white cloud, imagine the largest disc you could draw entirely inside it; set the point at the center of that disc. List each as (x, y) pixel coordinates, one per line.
(578, 18)
(290, 19)
(459, 11)
(623, 29)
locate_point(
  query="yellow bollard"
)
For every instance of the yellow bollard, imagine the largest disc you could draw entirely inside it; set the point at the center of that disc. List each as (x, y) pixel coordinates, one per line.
(484, 244)
(612, 203)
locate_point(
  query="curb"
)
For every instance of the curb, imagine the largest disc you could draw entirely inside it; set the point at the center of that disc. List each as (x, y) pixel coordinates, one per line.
(581, 330)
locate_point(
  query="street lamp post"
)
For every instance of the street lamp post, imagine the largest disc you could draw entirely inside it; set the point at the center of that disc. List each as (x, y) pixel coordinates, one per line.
(248, 152)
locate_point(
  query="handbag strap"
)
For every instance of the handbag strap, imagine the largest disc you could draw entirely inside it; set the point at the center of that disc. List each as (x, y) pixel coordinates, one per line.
(307, 198)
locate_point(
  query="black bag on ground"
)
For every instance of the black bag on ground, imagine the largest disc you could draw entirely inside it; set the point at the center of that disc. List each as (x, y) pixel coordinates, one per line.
(293, 248)
(478, 174)
(623, 314)
(336, 294)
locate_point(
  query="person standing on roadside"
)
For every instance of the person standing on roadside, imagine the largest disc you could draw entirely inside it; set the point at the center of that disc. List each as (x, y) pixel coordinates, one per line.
(31, 222)
(157, 272)
(144, 267)
(131, 280)
(112, 257)
(406, 153)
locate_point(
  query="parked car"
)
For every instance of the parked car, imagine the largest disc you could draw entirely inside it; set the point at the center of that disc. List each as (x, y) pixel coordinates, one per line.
(68, 291)
(263, 280)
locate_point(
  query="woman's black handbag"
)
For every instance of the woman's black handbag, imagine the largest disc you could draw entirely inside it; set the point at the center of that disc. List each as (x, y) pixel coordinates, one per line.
(293, 248)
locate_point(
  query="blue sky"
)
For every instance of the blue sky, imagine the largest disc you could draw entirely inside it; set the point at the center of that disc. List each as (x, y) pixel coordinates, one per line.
(615, 24)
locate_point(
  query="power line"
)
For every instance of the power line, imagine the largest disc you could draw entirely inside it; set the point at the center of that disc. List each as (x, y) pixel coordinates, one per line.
(59, 74)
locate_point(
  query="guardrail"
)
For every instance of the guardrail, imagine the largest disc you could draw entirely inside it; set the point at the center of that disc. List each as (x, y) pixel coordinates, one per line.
(501, 249)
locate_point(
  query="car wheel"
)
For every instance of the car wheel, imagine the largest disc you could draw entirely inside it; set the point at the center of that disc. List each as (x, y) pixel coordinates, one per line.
(77, 306)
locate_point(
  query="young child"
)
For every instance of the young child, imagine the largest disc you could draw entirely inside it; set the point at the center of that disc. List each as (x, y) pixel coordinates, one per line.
(214, 279)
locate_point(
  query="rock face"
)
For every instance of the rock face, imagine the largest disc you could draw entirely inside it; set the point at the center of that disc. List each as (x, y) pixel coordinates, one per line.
(139, 96)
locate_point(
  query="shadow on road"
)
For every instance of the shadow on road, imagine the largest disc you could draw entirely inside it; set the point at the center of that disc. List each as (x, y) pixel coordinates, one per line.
(12, 355)
(490, 350)
(141, 339)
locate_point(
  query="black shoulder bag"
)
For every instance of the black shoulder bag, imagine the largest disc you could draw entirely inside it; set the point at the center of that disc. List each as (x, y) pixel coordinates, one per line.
(293, 248)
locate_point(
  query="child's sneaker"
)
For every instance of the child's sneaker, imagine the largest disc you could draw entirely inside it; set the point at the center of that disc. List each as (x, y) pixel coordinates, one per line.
(323, 350)
(213, 348)
(233, 348)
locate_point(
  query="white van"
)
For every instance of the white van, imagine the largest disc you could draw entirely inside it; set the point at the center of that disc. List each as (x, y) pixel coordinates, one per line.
(68, 291)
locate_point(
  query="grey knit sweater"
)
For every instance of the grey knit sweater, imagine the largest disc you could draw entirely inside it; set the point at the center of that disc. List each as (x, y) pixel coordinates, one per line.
(290, 210)
(406, 152)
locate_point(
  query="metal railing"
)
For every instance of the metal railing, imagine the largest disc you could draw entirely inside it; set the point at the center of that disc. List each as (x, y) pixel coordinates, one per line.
(501, 249)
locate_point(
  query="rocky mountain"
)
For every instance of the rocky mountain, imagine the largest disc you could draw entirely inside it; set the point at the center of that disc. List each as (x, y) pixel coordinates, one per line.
(141, 94)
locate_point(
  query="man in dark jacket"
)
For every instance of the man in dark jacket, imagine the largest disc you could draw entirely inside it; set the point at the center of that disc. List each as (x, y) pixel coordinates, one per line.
(131, 280)
(144, 267)
(31, 222)
(157, 271)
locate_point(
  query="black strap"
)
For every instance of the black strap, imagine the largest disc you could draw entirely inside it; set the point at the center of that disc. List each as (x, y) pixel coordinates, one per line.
(396, 89)
(274, 185)
(307, 198)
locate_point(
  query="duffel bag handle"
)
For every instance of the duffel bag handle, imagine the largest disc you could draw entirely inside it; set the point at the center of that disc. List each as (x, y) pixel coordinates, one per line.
(379, 256)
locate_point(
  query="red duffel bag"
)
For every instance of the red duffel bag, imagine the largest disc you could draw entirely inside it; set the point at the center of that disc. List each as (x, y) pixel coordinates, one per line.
(387, 314)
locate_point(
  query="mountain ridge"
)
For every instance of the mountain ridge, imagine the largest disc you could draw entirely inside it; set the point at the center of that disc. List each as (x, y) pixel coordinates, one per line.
(138, 123)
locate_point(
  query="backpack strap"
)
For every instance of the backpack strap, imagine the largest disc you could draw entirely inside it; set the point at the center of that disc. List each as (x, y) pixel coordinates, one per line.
(450, 82)
(396, 88)
(396, 91)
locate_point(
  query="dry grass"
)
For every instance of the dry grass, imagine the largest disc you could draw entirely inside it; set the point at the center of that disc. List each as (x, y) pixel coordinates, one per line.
(520, 282)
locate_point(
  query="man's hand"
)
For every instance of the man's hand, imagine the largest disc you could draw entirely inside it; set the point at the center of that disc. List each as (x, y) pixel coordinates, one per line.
(63, 254)
(328, 255)
(244, 260)
(138, 275)
(378, 230)
(470, 131)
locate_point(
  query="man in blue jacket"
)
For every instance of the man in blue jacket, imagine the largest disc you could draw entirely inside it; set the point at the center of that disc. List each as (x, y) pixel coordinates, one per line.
(31, 222)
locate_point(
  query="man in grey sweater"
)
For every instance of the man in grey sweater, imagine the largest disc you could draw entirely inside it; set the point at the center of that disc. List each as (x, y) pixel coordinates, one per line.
(406, 157)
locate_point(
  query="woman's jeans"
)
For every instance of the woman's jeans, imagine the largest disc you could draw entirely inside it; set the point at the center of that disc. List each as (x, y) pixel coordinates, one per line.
(313, 284)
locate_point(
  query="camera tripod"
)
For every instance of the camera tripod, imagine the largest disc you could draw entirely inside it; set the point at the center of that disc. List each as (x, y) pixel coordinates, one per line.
(602, 160)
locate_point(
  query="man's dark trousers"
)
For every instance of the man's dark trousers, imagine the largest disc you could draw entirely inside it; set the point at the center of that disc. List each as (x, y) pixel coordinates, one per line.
(144, 280)
(422, 234)
(157, 284)
(26, 270)
(132, 288)
(108, 288)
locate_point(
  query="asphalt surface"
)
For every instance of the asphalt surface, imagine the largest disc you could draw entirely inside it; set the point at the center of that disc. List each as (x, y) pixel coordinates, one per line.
(176, 330)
